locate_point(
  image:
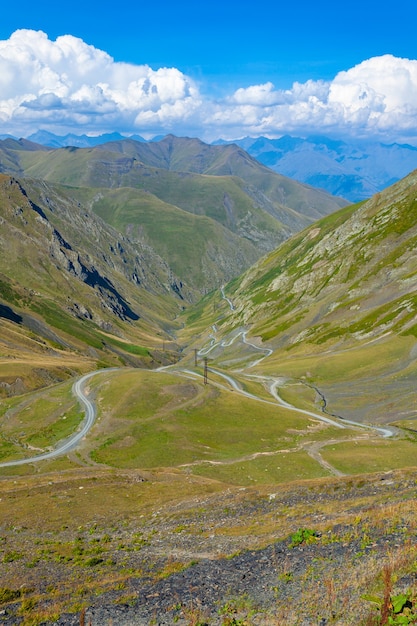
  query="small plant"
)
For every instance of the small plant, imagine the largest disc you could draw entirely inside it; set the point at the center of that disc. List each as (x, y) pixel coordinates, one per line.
(28, 604)
(93, 561)
(394, 610)
(399, 611)
(171, 567)
(11, 556)
(180, 528)
(195, 616)
(236, 612)
(139, 541)
(286, 577)
(8, 595)
(303, 535)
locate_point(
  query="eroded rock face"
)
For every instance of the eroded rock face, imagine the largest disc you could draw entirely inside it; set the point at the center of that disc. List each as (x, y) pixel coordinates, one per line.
(65, 275)
(13, 388)
(78, 243)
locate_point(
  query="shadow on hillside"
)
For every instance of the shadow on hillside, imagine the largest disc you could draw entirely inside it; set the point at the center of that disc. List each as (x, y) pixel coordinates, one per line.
(7, 313)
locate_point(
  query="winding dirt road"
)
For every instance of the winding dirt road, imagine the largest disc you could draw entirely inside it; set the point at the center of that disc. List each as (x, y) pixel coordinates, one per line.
(69, 444)
(272, 383)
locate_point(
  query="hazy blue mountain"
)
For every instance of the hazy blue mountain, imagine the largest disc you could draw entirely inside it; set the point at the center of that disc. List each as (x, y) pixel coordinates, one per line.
(46, 138)
(354, 170)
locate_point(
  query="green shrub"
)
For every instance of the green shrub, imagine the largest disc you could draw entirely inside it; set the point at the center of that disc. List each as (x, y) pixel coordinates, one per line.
(93, 561)
(8, 595)
(303, 535)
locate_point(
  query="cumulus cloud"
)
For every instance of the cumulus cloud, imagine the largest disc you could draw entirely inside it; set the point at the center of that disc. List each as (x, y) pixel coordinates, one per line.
(68, 85)
(264, 95)
(69, 82)
(378, 97)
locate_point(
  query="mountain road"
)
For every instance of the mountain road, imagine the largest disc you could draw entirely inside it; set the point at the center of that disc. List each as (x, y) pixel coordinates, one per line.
(70, 443)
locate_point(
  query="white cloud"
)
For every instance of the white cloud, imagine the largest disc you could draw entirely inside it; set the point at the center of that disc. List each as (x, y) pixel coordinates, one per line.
(67, 85)
(263, 95)
(44, 81)
(378, 97)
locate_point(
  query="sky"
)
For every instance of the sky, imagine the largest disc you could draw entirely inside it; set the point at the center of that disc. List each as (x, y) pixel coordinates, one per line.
(210, 70)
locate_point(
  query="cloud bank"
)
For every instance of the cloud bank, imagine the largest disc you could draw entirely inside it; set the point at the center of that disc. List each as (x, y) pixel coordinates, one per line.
(68, 85)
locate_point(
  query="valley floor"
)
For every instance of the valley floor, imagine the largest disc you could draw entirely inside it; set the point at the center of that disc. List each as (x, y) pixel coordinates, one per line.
(186, 504)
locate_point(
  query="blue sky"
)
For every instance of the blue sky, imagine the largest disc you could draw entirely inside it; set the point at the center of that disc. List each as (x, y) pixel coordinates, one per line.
(236, 69)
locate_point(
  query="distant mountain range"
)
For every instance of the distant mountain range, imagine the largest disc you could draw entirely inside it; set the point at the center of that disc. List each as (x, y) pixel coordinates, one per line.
(353, 170)
(103, 247)
(209, 211)
(79, 141)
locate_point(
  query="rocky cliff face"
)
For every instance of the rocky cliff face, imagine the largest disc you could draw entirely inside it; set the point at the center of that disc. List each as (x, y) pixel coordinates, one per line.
(61, 262)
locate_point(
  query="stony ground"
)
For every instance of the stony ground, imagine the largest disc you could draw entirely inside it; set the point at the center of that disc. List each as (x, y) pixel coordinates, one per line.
(344, 532)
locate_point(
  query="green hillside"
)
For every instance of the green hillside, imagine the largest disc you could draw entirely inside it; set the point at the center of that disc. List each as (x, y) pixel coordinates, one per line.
(168, 184)
(337, 305)
(199, 249)
(74, 293)
(239, 453)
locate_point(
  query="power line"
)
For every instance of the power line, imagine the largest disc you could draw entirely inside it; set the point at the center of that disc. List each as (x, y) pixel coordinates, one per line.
(205, 370)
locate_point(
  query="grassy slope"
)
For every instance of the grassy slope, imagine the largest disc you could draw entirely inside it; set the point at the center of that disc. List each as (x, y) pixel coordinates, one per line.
(54, 324)
(194, 192)
(191, 155)
(337, 303)
(179, 463)
(179, 163)
(200, 250)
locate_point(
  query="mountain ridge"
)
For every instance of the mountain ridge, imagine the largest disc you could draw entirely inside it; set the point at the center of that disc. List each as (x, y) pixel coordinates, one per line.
(251, 208)
(352, 169)
(355, 170)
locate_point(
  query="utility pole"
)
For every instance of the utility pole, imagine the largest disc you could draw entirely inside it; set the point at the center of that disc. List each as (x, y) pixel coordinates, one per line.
(205, 370)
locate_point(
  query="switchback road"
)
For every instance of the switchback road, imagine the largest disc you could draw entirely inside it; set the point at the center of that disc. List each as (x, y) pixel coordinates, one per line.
(68, 444)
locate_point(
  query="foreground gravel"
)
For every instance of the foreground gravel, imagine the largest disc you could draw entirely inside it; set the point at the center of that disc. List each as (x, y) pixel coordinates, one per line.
(258, 584)
(314, 582)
